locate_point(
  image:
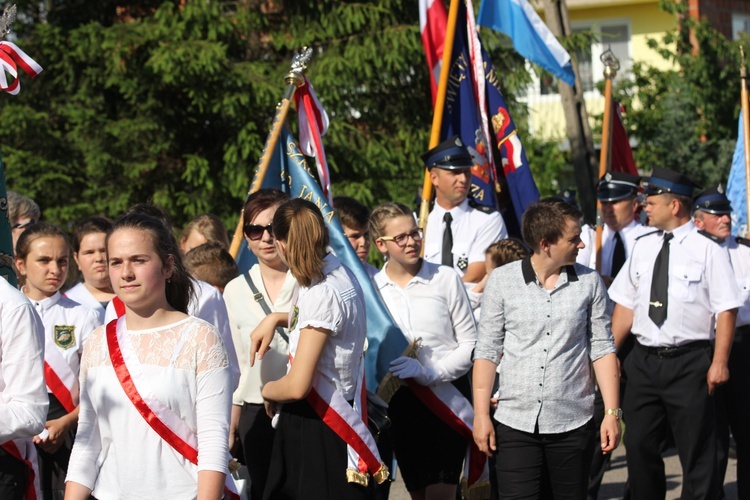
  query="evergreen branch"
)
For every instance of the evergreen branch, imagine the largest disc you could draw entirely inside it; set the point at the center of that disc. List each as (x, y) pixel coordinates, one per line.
(7, 19)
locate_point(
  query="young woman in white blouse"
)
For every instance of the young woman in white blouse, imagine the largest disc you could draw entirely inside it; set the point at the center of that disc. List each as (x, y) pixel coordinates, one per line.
(155, 383)
(311, 457)
(42, 256)
(430, 305)
(90, 255)
(271, 278)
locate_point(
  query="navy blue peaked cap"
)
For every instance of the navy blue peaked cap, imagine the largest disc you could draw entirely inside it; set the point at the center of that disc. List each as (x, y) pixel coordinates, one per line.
(450, 154)
(714, 201)
(664, 180)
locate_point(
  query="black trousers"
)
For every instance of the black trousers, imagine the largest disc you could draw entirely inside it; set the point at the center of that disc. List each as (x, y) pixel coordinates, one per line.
(733, 411)
(672, 390)
(256, 436)
(523, 457)
(13, 474)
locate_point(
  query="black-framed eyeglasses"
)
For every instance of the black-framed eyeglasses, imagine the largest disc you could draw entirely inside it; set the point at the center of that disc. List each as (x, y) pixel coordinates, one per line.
(23, 224)
(402, 239)
(255, 232)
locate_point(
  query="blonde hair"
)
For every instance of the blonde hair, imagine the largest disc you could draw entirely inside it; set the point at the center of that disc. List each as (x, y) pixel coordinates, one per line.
(300, 225)
(210, 227)
(382, 214)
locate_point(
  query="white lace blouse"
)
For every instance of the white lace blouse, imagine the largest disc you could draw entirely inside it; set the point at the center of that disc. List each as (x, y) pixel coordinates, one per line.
(116, 453)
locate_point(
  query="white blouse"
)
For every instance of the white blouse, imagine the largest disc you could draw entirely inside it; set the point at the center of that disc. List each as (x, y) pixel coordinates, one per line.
(82, 295)
(116, 453)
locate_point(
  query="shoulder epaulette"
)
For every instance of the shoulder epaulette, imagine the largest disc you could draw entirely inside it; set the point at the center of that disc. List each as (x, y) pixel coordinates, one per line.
(742, 241)
(648, 234)
(711, 237)
(482, 208)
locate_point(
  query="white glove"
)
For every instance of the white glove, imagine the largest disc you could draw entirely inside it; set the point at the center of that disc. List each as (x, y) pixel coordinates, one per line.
(405, 367)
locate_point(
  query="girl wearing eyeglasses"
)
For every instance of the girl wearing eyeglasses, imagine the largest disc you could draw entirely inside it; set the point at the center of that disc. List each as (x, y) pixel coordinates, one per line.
(430, 305)
(271, 278)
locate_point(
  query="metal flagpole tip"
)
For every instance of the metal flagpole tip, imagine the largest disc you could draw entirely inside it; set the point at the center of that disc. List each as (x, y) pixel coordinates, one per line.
(299, 63)
(611, 63)
(7, 19)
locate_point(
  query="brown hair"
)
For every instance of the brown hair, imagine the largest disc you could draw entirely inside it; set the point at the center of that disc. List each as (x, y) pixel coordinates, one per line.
(212, 263)
(210, 226)
(545, 221)
(384, 213)
(261, 200)
(21, 206)
(300, 225)
(506, 251)
(33, 233)
(351, 213)
(179, 287)
(88, 226)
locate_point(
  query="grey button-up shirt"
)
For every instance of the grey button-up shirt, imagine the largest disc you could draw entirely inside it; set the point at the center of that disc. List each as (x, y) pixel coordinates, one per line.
(544, 341)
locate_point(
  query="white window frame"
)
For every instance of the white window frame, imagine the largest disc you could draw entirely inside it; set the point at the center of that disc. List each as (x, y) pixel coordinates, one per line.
(737, 19)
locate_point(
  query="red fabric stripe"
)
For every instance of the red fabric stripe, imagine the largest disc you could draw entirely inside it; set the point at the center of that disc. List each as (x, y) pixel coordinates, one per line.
(342, 429)
(119, 306)
(433, 39)
(58, 388)
(430, 400)
(13, 450)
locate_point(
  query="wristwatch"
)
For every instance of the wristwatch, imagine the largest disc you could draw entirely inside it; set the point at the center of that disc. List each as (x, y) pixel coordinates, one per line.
(617, 412)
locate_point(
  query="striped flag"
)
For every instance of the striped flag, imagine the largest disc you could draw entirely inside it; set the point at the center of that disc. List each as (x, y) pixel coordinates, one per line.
(11, 58)
(313, 125)
(433, 19)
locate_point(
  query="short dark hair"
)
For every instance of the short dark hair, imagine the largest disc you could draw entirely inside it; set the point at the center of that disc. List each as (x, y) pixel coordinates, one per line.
(34, 232)
(212, 263)
(261, 200)
(88, 226)
(546, 220)
(351, 213)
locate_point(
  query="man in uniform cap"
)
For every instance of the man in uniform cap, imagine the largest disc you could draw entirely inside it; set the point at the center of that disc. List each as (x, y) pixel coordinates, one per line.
(618, 194)
(459, 230)
(674, 285)
(711, 214)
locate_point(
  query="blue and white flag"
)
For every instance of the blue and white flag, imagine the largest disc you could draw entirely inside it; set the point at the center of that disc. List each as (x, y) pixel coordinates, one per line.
(288, 171)
(531, 37)
(736, 185)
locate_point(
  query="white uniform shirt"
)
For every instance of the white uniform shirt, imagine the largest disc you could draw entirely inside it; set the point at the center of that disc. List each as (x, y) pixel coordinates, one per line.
(587, 256)
(434, 307)
(739, 254)
(473, 231)
(81, 294)
(208, 305)
(701, 285)
(244, 316)
(60, 316)
(23, 395)
(335, 303)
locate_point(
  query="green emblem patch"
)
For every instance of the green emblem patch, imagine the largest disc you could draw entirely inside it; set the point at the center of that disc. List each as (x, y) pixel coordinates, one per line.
(295, 317)
(65, 336)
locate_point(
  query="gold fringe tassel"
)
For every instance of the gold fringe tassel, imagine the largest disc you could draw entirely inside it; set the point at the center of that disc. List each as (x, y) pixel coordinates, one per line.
(477, 491)
(382, 474)
(354, 476)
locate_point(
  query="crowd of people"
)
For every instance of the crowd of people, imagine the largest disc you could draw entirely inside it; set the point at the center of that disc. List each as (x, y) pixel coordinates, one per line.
(166, 367)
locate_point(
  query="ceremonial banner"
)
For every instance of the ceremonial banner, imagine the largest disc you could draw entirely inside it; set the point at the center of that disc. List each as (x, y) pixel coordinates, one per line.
(622, 154)
(7, 269)
(288, 171)
(531, 37)
(736, 191)
(432, 24)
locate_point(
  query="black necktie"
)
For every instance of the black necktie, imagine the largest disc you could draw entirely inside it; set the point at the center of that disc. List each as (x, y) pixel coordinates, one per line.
(618, 256)
(657, 306)
(447, 259)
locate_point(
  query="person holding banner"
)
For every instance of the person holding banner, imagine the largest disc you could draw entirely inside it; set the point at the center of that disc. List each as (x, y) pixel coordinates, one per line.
(155, 383)
(430, 305)
(544, 321)
(267, 285)
(42, 256)
(90, 254)
(322, 447)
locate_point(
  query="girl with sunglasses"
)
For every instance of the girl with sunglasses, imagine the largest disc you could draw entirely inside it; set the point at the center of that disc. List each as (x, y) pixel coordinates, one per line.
(270, 279)
(430, 305)
(42, 257)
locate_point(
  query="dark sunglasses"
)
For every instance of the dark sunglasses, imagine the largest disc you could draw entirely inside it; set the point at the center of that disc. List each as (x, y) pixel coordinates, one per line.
(255, 232)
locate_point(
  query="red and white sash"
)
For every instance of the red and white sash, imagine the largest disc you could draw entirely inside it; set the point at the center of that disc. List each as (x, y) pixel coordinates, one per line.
(349, 423)
(12, 57)
(167, 424)
(60, 379)
(25, 451)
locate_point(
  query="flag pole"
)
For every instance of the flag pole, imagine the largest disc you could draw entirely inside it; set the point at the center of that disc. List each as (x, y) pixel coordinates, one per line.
(611, 65)
(293, 79)
(745, 103)
(437, 117)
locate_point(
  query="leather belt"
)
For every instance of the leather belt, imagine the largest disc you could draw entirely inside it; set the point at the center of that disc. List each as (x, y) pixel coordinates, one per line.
(674, 352)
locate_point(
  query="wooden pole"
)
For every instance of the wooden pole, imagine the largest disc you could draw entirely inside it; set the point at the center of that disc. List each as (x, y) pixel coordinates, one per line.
(437, 117)
(611, 65)
(293, 80)
(745, 102)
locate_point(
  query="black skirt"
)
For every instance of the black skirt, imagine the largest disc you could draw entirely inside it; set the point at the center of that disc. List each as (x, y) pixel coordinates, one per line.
(309, 460)
(428, 450)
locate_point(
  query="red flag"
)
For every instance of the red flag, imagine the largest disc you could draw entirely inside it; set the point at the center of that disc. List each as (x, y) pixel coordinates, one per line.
(622, 155)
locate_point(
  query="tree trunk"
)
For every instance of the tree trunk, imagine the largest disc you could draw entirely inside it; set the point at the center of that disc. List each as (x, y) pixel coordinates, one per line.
(581, 140)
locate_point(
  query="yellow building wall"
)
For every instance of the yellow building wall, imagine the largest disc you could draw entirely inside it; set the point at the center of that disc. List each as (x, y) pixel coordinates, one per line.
(646, 21)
